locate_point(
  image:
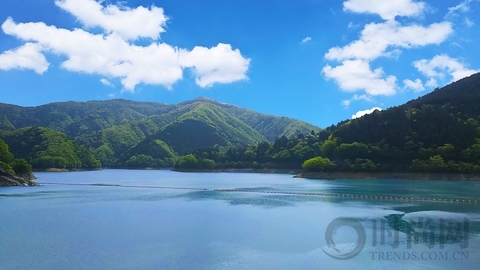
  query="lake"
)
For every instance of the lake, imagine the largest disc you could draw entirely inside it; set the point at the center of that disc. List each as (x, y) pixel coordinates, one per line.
(118, 227)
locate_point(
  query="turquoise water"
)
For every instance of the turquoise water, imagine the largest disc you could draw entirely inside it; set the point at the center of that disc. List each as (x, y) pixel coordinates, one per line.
(94, 227)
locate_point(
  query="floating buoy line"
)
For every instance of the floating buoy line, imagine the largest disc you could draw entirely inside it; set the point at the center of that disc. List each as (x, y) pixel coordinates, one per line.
(336, 195)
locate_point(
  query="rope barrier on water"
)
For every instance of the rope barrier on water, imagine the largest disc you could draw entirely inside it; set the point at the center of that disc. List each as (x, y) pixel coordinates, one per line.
(124, 186)
(345, 196)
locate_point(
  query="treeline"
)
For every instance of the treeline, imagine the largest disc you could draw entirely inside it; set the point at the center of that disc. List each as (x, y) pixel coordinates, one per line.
(322, 151)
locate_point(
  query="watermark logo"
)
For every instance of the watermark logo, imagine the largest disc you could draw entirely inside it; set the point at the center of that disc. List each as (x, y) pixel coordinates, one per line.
(342, 254)
(425, 231)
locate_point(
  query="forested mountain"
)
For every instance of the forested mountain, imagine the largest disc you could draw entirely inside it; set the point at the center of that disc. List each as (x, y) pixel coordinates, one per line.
(439, 132)
(115, 131)
(46, 148)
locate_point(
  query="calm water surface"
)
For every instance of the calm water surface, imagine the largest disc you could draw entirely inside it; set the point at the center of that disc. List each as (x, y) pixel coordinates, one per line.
(92, 227)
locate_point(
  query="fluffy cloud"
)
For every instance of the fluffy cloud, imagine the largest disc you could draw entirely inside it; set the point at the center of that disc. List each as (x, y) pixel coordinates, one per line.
(128, 23)
(388, 10)
(376, 38)
(416, 85)
(218, 64)
(441, 66)
(355, 75)
(27, 56)
(113, 55)
(365, 112)
(384, 39)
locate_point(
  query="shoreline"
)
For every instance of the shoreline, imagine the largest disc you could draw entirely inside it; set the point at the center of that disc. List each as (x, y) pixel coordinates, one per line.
(297, 173)
(65, 170)
(235, 170)
(8, 179)
(387, 176)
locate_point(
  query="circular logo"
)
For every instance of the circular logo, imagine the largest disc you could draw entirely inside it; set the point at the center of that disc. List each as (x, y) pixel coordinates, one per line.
(344, 253)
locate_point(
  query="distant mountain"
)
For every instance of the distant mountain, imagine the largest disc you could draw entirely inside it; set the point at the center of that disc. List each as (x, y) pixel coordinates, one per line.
(121, 128)
(439, 133)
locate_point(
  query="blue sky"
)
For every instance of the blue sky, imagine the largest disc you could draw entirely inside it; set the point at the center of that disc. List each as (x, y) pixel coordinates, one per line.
(316, 60)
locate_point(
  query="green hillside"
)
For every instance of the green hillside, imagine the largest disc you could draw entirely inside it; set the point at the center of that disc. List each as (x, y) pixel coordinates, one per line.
(116, 130)
(439, 132)
(46, 148)
(75, 118)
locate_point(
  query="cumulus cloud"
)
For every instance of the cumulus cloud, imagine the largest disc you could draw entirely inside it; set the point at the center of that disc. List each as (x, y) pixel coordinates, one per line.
(354, 75)
(376, 38)
(388, 10)
(365, 112)
(307, 39)
(218, 64)
(27, 56)
(416, 85)
(128, 23)
(384, 39)
(113, 55)
(442, 66)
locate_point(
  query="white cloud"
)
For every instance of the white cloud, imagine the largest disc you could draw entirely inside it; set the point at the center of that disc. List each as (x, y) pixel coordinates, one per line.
(388, 10)
(462, 7)
(307, 39)
(113, 56)
(384, 39)
(441, 66)
(346, 103)
(128, 23)
(106, 82)
(352, 25)
(27, 56)
(416, 85)
(218, 64)
(469, 22)
(365, 112)
(355, 75)
(376, 38)
(431, 83)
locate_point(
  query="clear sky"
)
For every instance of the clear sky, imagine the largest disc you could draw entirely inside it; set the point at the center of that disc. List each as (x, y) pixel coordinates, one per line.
(321, 61)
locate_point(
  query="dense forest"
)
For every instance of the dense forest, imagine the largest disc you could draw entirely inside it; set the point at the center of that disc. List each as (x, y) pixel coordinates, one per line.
(11, 164)
(439, 132)
(122, 133)
(46, 148)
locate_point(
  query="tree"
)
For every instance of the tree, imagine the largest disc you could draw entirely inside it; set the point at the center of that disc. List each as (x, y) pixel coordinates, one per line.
(318, 164)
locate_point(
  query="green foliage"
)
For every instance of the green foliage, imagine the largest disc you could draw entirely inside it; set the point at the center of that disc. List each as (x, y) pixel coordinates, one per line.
(187, 161)
(6, 167)
(21, 166)
(11, 164)
(45, 148)
(5, 154)
(318, 164)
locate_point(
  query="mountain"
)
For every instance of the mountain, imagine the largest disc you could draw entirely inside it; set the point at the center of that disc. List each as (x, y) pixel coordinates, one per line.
(74, 118)
(45, 148)
(116, 130)
(439, 132)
